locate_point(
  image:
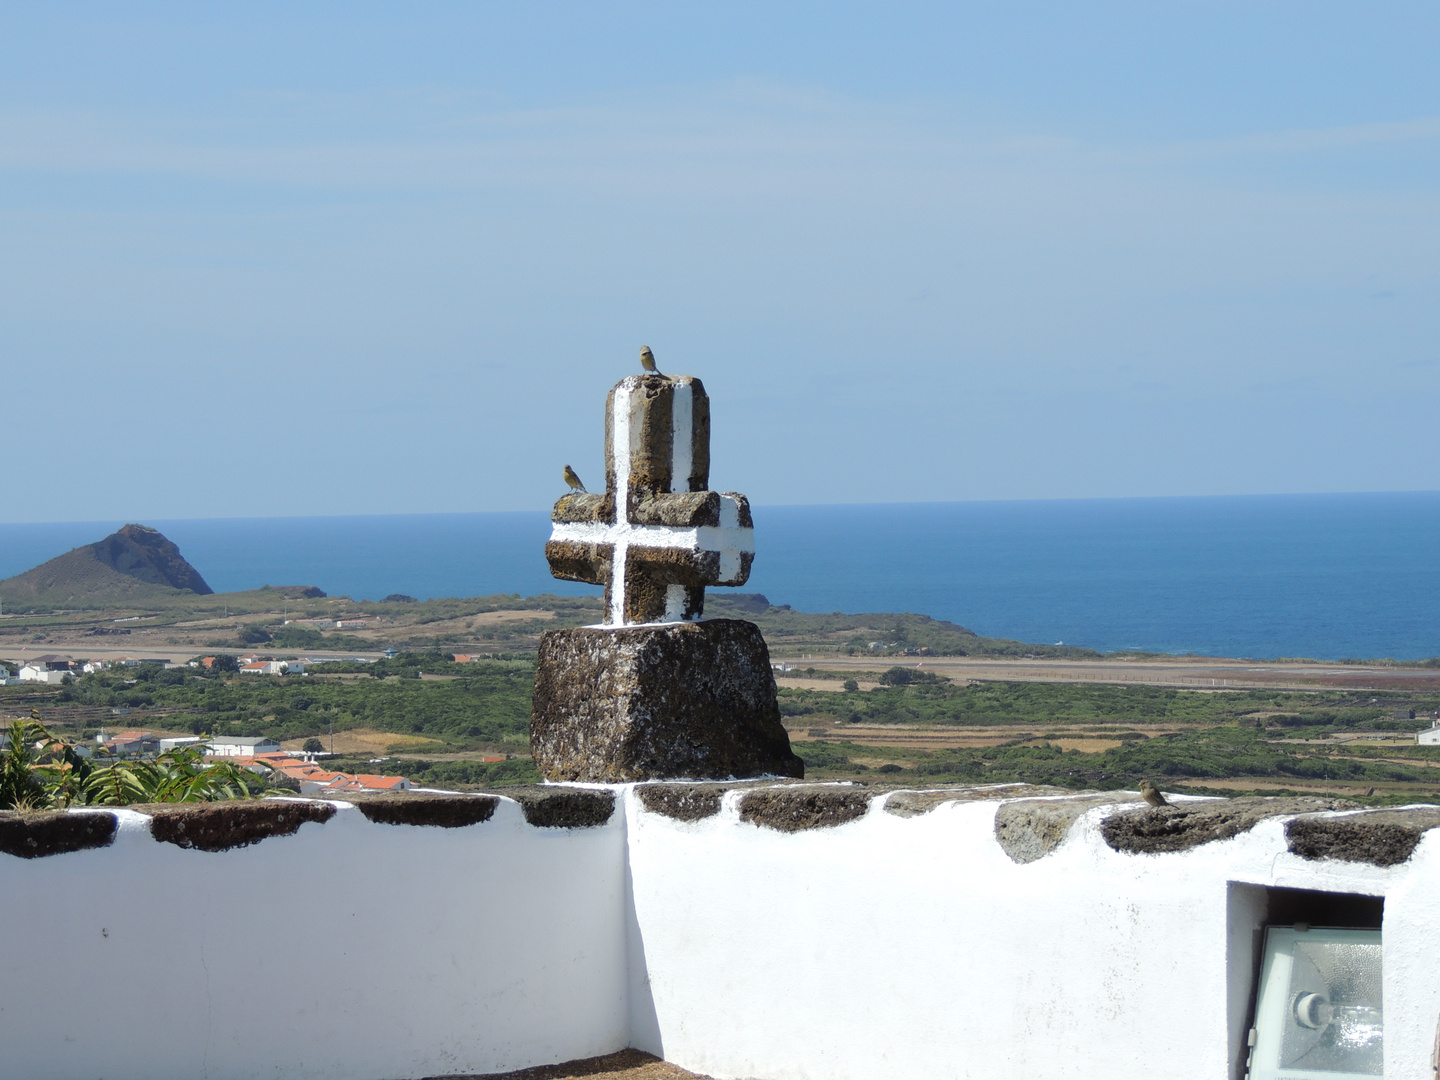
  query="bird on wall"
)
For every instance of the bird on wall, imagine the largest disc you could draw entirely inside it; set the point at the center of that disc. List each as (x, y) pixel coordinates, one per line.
(1151, 794)
(647, 360)
(573, 480)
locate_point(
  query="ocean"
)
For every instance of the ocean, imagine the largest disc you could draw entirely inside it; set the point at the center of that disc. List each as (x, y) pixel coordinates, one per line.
(1324, 576)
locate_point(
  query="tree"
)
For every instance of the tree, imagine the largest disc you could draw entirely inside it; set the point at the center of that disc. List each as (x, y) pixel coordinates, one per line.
(313, 746)
(225, 662)
(851, 685)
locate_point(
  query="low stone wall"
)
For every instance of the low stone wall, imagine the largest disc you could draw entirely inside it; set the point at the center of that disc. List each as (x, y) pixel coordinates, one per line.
(762, 930)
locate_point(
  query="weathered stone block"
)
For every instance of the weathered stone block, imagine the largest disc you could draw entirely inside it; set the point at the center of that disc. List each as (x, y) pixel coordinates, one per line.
(32, 836)
(225, 825)
(679, 701)
(1030, 829)
(1381, 837)
(795, 809)
(1189, 824)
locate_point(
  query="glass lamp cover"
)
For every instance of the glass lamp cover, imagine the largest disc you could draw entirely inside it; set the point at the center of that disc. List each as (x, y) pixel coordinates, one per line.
(1319, 1014)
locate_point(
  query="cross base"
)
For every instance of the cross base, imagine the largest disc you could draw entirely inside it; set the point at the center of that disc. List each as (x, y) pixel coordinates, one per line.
(679, 701)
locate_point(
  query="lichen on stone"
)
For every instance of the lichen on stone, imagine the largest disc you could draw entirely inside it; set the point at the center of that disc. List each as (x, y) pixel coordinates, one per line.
(1378, 837)
(562, 808)
(1186, 825)
(798, 808)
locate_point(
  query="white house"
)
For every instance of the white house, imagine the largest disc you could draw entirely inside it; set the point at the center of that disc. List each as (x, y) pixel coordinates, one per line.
(33, 672)
(183, 740)
(273, 667)
(1430, 737)
(240, 746)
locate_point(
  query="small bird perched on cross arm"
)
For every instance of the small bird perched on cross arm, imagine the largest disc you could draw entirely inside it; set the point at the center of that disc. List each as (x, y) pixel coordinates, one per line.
(1151, 794)
(647, 360)
(573, 480)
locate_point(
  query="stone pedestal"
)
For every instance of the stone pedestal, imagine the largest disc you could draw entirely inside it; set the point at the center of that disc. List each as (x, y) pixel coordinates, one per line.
(677, 701)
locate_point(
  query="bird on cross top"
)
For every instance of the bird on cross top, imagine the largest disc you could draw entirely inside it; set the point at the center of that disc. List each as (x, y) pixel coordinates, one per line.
(647, 360)
(573, 480)
(1151, 794)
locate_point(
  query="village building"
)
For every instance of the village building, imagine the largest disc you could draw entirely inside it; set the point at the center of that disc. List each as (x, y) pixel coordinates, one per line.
(130, 743)
(240, 745)
(273, 667)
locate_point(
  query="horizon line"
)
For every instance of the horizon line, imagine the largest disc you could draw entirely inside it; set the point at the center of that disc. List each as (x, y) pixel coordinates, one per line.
(140, 519)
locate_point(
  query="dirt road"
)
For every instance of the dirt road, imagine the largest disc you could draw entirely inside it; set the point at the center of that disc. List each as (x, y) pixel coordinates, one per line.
(1189, 674)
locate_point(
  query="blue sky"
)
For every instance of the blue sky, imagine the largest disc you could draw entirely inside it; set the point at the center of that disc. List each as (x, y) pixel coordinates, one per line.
(361, 258)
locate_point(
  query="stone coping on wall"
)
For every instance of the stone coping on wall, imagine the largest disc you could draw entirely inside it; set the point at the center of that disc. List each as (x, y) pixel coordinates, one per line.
(1030, 822)
(55, 832)
(1381, 837)
(1153, 830)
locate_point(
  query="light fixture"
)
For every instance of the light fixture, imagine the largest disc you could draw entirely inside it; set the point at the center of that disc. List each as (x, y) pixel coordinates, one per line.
(1319, 1013)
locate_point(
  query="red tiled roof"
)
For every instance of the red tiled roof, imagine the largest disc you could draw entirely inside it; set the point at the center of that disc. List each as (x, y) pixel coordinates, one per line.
(371, 781)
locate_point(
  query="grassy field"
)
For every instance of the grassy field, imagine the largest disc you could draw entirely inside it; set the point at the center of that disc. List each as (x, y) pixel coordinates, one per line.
(285, 620)
(435, 721)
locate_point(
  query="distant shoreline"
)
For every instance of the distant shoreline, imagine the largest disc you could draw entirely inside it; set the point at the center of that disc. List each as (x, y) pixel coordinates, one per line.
(1327, 576)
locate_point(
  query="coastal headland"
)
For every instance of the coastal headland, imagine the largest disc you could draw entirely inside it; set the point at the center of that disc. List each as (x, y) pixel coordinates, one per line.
(439, 689)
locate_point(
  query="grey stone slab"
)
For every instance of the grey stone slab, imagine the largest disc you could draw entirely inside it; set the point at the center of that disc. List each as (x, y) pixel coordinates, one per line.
(1031, 829)
(1379, 837)
(33, 836)
(420, 808)
(681, 701)
(563, 808)
(802, 807)
(1186, 825)
(907, 804)
(222, 826)
(687, 802)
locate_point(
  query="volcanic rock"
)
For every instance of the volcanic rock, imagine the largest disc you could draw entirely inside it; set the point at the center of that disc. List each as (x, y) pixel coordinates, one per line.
(678, 701)
(132, 563)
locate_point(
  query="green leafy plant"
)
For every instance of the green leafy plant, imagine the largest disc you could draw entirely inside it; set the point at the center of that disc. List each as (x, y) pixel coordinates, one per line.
(41, 772)
(179, 775)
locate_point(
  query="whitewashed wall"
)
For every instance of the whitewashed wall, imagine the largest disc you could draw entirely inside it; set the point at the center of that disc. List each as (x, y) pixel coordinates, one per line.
(349, 949)
(914, 948)
(888, 947)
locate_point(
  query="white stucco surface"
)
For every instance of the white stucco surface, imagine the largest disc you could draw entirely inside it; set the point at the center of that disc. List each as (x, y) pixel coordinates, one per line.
(906, 948)
(349, 949)
(888, 947)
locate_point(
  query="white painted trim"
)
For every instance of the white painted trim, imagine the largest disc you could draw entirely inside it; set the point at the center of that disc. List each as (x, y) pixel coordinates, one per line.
(682, 436)
(620, 454)
(731, 543)
(674, 603)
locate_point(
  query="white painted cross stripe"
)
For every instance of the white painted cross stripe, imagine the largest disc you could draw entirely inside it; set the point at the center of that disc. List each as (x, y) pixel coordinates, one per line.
(728, 539)
(682, 443)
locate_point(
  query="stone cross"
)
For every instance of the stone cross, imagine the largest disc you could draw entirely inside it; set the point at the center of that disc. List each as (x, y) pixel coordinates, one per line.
(657, 537)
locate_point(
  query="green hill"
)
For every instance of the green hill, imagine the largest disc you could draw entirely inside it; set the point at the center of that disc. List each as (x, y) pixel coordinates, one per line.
(132, 565)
